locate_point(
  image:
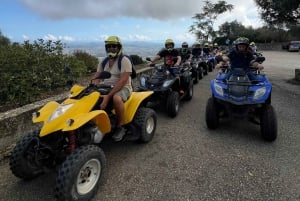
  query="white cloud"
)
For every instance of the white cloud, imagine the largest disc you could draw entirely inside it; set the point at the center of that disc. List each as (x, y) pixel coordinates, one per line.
(56, 38)
(25, 37)
(244, 11)
(155, 9)
(184, 37)
(137, 37)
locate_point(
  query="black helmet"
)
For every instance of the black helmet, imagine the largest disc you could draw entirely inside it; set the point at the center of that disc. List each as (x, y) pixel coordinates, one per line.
(242, 40)
(184, 45)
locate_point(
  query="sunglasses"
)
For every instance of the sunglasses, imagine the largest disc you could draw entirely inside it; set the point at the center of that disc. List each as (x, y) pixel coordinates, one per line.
(111, 46)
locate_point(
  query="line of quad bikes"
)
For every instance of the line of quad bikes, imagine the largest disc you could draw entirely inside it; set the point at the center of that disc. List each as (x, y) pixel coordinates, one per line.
(71, 132)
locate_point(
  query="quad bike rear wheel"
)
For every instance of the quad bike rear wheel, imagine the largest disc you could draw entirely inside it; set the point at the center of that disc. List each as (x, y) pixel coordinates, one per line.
(211, 114)
(173, 104)
(23, 161)
(268, 123)
(145, 119)
(80, 174)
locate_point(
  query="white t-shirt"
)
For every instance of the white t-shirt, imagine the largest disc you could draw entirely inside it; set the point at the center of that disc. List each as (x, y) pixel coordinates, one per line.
(126, 66)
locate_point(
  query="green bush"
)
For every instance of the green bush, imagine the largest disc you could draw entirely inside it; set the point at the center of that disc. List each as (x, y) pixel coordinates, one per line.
(28, 70)
(90, 61)
(136, 59)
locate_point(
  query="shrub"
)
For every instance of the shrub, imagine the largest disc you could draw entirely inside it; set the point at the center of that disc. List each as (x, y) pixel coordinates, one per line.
(89, 61)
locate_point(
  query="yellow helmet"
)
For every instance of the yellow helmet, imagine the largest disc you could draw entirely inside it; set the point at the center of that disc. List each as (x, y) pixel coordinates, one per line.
(113, 40)
(169, 41)
(206, 44)
(215, 44)
(252, 44)
(196, 44)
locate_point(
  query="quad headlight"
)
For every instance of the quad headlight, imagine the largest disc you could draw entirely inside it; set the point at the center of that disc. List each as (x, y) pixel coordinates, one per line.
(143, 81)
(60, 110)
(167, 83)
(260, 93)
(218, 89)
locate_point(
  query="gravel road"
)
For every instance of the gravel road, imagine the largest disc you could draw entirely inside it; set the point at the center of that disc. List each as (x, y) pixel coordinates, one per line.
(187, 162)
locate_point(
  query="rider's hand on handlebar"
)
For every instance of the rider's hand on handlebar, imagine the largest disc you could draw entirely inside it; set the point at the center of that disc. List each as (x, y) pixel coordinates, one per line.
(260, 67)
(151, 64)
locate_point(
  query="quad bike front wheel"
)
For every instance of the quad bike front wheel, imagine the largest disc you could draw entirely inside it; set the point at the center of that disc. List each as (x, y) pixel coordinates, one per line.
(173, 104)
(211, 114)
(268, 123)
(200, 73)
(190, 92)
(195, 76)
(145, 119)
(23, 162)
(80, 174)
(210, 66)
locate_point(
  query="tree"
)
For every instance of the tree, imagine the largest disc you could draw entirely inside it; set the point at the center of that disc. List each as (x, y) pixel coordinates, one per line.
(4, 40)
(90, 61)
(231, 30)
(279, 12)
(203, 26)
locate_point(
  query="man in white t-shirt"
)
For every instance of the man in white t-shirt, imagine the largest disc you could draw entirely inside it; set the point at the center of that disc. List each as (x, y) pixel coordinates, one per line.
(120, 79)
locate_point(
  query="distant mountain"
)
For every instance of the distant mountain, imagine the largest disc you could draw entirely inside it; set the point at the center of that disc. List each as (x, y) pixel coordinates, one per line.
(142, 49)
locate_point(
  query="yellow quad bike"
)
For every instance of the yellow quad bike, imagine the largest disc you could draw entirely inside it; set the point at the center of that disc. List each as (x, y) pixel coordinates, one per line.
(70, 136)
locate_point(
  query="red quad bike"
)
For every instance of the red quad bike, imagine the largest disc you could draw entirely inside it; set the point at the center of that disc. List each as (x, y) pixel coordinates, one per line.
(70, 135)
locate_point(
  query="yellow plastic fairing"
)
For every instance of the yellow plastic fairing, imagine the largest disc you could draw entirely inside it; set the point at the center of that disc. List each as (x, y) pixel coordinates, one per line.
(99, 117)
(55, 116)
(75, 90)
(132, 104)
(45, 112)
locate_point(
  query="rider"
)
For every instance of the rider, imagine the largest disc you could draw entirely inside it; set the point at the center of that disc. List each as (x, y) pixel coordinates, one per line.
(171, 57)
(240, 56)
(120, 79)
(215, 48)
(185, 53)
(206, 50)
(253, 47)
(168, 53)
(197, 50)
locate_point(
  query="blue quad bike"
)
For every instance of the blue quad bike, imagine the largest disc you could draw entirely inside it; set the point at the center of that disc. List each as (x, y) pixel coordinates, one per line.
(168, 89)
(235, 95)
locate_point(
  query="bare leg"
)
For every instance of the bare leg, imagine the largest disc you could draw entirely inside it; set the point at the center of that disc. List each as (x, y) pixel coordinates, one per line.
(119, 108)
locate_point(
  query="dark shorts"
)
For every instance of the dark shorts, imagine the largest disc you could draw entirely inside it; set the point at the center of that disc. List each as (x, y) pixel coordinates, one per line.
(174, 70)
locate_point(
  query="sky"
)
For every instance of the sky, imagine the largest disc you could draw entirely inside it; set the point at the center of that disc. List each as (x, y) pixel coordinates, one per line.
(95, 20)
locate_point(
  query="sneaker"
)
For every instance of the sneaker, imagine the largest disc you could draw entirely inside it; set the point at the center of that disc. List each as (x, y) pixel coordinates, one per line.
(119, 133)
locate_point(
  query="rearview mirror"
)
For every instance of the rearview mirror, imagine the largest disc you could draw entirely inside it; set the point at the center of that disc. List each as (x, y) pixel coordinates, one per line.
(260, 59)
